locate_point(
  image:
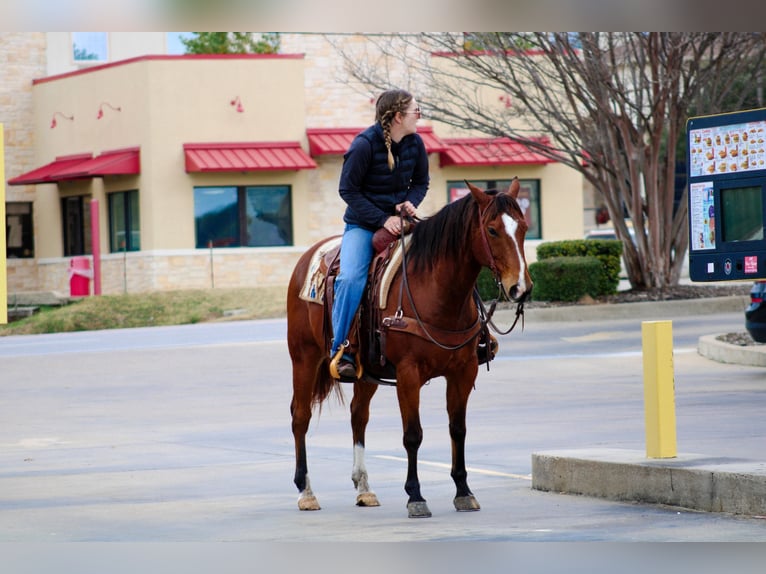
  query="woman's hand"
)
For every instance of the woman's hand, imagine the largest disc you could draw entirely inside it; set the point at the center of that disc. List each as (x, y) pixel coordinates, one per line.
(393, 225)
(407, 208)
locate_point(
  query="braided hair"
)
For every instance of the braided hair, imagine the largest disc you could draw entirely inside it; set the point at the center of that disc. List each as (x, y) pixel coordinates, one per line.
(389, 103)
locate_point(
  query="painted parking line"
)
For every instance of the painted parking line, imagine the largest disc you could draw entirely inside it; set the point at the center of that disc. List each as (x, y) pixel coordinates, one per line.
(469, 469)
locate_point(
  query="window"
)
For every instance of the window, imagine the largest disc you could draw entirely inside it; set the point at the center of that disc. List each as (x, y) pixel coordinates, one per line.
(529, 198)
(89, 47)
(252, 216)
(124, 230)
(19, 233)
(75, 213)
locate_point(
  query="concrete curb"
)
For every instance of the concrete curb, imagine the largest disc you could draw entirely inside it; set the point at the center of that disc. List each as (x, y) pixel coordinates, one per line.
(753, 355)
(644, 310)
(697, 482)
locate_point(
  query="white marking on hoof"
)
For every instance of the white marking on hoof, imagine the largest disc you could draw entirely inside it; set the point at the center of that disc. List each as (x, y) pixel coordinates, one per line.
(367, 499)
(308, 503)
(307, 500)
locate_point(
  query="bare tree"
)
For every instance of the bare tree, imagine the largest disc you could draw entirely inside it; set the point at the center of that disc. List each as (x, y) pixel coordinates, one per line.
(611, 105)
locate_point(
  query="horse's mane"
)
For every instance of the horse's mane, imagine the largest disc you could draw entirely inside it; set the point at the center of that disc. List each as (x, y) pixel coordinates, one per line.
(447, 232)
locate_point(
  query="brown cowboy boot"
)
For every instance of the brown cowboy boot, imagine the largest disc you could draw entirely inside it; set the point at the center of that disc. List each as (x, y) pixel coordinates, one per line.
(487, 349)
(343, 367)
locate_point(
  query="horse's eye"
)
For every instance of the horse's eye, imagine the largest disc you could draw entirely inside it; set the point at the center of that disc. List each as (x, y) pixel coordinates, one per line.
(492, 231)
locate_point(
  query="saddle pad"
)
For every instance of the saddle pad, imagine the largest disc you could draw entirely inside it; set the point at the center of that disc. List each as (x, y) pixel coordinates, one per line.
(313, 285)
(391, 268)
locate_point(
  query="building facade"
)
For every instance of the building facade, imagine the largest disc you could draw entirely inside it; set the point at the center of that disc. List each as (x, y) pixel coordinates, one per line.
(200, 171)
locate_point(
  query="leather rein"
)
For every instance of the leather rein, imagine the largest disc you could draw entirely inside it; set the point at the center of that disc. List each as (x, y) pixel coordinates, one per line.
(484, 317)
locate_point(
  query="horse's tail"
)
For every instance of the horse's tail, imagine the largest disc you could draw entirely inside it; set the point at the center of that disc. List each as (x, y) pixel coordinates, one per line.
(326, 386)
(304, 344)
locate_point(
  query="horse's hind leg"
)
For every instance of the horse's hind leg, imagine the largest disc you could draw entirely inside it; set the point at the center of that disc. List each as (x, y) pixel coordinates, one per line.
(300, 409)
(360, 415)
(458, 390)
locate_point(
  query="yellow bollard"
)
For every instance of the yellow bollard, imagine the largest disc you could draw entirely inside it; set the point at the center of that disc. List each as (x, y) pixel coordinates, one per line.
(659, 389)
(3, 277)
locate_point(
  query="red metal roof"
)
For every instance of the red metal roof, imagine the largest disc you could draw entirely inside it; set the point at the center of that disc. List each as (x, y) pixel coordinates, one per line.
(467, 152)
(49, 172)
(254, 156)
(84, 165)
(115, 162)
(335, 141)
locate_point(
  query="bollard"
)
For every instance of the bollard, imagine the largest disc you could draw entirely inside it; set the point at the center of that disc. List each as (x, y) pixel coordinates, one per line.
(659, 389)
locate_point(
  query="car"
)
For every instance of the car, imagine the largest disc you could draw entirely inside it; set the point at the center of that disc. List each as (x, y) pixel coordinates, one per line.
(601, 234)
(607, 233)
(755, 313)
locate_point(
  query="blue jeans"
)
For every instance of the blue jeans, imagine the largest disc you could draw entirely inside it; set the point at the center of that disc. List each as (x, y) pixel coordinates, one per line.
(355, 256)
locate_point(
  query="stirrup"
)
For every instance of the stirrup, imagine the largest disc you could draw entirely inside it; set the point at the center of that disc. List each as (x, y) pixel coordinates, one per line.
(336, 359)
(487, 351)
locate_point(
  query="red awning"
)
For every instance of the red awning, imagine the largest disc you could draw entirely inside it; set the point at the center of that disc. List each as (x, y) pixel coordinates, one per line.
(466, 152)
(335, 141)
(49, 172)
(83, 165)
(256, 156)
(115, 162)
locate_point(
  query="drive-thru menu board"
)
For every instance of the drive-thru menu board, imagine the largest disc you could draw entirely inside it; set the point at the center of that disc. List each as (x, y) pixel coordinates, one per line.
(726, 169)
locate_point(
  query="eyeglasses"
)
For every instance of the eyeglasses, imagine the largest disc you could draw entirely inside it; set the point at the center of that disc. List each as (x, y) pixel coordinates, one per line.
(415, 111)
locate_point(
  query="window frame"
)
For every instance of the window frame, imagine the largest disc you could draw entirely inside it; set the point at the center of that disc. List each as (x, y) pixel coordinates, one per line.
(102, 37)
(279, 225)
(24, 211)
(529, 187)
(79, 241)
(129, 198)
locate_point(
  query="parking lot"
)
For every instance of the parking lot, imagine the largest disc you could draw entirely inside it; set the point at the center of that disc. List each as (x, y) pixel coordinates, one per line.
(183, 434)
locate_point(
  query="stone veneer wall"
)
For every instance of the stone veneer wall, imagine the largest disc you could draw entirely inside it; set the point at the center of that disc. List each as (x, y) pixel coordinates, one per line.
(22, 59)
(142, 272)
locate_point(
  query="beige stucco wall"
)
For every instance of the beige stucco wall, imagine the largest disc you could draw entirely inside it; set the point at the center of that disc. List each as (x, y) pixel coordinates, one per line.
(165, 103)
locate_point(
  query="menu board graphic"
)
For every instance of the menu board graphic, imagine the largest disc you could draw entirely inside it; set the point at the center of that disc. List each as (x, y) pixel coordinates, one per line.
(727, 149)
(702, 215)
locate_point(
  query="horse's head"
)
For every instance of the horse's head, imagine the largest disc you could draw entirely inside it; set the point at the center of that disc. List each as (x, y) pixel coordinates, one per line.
(502, 229)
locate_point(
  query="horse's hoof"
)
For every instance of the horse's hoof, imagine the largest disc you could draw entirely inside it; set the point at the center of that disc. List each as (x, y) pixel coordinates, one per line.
(308, 503)
(367, 499)
(466, 503)
(418, 509)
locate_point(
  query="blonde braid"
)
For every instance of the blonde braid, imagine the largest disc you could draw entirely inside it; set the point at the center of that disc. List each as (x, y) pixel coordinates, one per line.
(386, 124)
(388, 105)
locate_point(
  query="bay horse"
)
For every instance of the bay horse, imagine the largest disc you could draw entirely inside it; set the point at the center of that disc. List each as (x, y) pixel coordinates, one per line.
(436, 285)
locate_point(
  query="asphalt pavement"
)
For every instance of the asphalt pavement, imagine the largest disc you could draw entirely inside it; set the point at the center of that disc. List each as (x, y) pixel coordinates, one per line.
(182, 434)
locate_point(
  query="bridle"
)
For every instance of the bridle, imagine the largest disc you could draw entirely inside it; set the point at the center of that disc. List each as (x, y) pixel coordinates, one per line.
(484, 318)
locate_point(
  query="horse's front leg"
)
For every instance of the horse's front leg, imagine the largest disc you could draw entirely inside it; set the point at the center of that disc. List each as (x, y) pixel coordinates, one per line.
(360, 415)
(458, 390)
(408, 393)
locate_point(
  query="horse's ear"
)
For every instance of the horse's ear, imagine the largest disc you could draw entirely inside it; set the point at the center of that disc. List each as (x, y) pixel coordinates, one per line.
(478, 194)
(514, 188)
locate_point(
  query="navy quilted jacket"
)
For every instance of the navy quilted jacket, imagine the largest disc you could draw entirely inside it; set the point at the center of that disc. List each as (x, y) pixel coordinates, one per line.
(370, 189)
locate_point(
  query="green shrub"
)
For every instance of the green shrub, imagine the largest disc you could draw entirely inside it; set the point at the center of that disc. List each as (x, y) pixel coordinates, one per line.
(486, 285)
(607, 251)
(566, 278)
